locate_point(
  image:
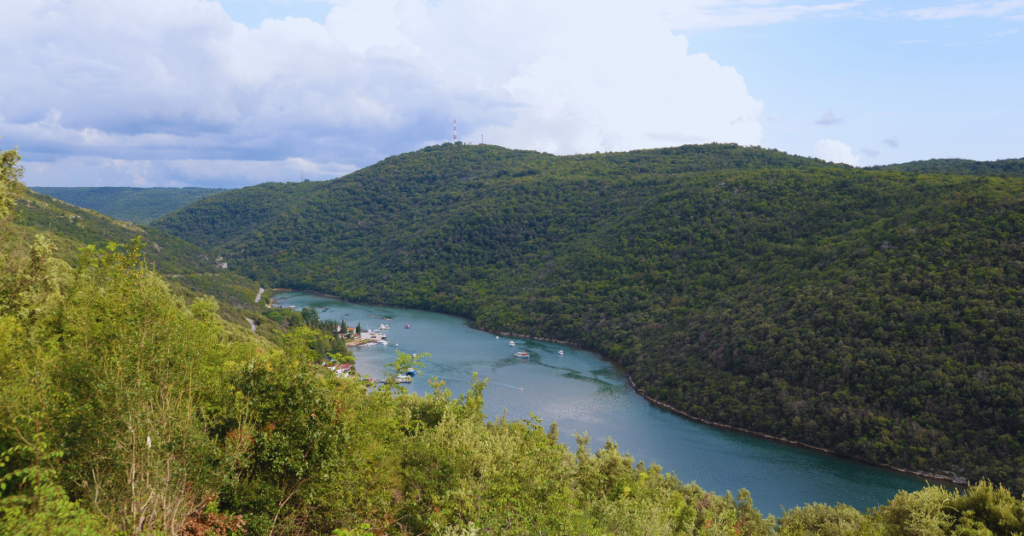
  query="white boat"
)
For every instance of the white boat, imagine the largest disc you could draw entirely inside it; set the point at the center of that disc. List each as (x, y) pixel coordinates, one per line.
(560, 352)
(522, 354)
(511, 343)
(402, 378)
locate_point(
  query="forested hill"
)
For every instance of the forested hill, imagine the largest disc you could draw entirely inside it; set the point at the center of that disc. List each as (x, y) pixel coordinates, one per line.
(959, 166)
(872, 312)
(136, 205)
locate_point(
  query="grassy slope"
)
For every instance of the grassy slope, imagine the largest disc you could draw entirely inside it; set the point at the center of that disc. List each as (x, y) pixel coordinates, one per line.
(190, 269)
(136, 205)
(875, 313)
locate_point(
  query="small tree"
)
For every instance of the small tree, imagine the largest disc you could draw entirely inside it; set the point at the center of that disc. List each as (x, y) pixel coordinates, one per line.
(401, 366)
(359, 328)
(10, 180)
(310, 316)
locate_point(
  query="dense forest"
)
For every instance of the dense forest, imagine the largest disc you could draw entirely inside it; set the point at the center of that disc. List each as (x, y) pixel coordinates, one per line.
(127, 408)
(959, 166)
(135, 205)
(875, 313)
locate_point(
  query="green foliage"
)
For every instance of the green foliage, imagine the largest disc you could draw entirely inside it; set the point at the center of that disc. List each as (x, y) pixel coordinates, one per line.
(875, 313)
(120, 374)
(10, 180)
(959, 166)
(401, 365)
(33, 502)
(324, 339)
(293, 434)
(362, 530)
(137, 205)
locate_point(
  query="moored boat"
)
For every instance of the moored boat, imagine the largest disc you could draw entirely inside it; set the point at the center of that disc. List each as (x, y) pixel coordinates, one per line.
(522, 353)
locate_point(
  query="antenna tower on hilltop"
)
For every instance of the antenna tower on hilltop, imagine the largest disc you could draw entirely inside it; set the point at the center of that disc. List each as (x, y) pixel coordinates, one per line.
(455, 130)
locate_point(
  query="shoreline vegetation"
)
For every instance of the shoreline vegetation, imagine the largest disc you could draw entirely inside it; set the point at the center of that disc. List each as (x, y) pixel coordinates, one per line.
(952, 480)
(956, 481)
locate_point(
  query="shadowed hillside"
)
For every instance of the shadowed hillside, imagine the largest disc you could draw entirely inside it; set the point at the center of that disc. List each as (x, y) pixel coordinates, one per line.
(136, 205)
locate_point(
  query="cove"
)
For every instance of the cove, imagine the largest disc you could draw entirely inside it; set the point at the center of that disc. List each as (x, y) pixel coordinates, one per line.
(586, 393)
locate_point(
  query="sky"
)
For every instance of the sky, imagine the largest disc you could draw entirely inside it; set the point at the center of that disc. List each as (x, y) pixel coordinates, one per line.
(239, 92)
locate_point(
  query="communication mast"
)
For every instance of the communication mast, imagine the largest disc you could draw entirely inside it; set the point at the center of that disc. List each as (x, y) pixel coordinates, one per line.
(455, 130)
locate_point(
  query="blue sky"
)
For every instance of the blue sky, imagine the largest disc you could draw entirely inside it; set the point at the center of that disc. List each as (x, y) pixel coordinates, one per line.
(191, 92)
(940, 88)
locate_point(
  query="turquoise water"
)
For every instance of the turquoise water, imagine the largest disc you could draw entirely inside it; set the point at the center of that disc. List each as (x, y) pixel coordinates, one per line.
(585, 393)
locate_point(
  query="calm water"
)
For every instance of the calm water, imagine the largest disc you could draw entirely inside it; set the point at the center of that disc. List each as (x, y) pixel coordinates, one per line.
(585, 393)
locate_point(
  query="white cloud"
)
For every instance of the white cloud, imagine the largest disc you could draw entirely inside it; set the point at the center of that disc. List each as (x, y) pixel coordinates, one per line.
(149, 85)
(966, 9)
(836, 151)
(100, 171)
(716, 14)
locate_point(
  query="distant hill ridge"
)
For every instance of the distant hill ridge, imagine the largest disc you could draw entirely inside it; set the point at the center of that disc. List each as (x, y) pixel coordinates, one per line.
(192, 270)
(136, 205)
(873, 312)
(959, 166)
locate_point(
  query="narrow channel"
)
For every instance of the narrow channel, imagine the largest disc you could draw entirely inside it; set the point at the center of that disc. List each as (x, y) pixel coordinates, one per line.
(586, 393)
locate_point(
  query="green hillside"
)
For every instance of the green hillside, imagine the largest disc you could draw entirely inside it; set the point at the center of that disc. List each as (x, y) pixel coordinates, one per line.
(190, 269)
(875, 313)
(959, 166)
(136, 205)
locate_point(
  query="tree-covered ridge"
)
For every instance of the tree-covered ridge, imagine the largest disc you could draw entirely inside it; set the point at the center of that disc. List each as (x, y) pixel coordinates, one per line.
(959, 166)
(125, 409)
(874, 313)
(136, 205)
(219, 220)
(42, 213)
